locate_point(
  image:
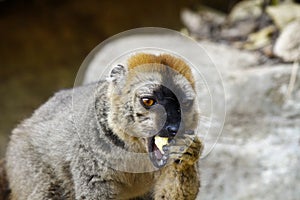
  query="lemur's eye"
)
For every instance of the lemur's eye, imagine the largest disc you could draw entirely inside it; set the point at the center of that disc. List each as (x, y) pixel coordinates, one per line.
(148, 102)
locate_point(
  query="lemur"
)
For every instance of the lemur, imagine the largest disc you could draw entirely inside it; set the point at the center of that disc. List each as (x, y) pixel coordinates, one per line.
(76, 145)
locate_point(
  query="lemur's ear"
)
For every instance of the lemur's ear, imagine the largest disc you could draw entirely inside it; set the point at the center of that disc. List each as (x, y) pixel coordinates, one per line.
(117, 74)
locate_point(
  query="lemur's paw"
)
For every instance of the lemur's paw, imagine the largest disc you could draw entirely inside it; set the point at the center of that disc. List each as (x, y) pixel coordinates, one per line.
(184, 149)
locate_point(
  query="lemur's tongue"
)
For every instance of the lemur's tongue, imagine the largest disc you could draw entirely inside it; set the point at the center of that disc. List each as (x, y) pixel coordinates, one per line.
(157, 152)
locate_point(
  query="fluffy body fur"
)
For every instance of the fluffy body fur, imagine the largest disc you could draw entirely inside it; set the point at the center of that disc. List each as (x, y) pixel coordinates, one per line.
(85, 143)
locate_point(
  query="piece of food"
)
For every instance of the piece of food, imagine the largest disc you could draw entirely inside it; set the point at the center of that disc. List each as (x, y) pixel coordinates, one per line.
(160, 142)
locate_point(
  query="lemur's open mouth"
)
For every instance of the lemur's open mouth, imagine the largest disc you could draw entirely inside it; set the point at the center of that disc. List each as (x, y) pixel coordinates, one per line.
(158, 150)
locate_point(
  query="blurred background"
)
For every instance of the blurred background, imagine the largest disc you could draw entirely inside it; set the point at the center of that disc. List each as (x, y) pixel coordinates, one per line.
(254, 43)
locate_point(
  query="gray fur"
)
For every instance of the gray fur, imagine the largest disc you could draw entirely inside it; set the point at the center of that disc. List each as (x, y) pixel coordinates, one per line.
(76, 145)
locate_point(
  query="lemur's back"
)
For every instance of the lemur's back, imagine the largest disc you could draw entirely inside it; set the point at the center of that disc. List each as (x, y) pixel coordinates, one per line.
(43, 146)
(36, 150)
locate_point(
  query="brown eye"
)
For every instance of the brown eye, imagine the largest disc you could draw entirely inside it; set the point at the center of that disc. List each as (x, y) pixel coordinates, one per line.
(148, 102)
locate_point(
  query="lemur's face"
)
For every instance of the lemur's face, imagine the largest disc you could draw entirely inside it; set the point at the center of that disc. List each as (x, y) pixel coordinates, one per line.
(160, 107)
(161, 115)
(163, 108)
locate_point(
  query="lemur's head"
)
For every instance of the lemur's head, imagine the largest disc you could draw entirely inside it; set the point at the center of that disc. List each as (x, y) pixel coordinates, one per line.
(153, 99)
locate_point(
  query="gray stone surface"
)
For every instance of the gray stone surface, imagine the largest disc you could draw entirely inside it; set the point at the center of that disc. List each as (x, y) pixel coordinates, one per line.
(255, 158)
(258, 153)
(247, 82)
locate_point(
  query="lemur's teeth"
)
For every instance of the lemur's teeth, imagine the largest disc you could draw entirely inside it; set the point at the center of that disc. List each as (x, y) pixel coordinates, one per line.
(160, 142)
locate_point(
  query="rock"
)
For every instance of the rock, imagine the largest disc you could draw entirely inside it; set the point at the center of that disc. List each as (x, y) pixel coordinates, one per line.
(204, 23)
(262, 87)
(239, 31)
(193, 21)
(255, 158)
(260, 39)
(228, 59)
(284, 13)
(246, 82)
(245, 10)
(287, 45)
(259, 148)
(245, 78)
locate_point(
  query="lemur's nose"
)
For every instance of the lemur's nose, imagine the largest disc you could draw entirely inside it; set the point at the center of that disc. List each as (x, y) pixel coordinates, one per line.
(172, 129)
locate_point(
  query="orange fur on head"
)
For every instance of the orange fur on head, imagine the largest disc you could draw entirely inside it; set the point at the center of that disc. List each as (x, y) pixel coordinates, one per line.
(175, 63)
